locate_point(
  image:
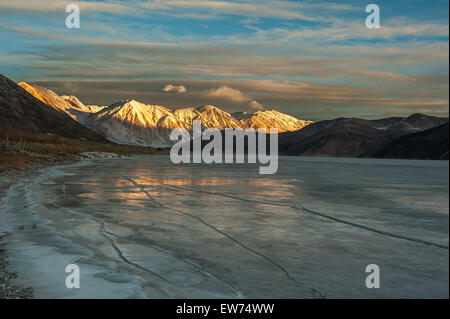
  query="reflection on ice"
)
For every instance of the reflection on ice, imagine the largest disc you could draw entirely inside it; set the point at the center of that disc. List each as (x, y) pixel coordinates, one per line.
(143, 227)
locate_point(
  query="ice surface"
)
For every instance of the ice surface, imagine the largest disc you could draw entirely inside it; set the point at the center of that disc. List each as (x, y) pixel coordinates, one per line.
(144, 227)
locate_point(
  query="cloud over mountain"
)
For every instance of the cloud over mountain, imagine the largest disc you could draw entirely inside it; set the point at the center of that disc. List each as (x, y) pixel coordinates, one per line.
(175, 88)
(234, 95)
(225, 92)
(256, 106)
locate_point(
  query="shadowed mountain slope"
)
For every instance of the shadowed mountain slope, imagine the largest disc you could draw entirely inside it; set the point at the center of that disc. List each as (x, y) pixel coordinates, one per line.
(352, 136)
(428, 144)
(19, 110)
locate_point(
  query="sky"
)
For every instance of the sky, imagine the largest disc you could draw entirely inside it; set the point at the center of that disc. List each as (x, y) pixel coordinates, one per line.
(311, 59)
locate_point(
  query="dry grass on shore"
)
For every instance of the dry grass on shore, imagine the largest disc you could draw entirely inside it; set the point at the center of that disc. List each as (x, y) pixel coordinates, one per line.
(19, 149)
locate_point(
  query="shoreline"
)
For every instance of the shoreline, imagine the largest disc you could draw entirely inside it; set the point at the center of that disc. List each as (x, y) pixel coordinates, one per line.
(9, 289)
(13, 283)
(8, 173)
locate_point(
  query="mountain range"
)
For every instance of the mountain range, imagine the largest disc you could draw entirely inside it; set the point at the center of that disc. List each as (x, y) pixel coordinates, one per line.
(357, 137)
(136, 123)
(26, 106)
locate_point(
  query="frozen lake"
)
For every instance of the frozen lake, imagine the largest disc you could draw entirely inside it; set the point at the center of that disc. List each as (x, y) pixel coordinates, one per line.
(145, 228)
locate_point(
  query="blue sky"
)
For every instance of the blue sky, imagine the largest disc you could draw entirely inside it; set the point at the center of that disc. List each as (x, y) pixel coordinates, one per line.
(311, 59)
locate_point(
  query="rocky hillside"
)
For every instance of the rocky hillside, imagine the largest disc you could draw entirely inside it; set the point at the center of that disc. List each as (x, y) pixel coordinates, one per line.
(351, 136)
(19, 110)
(427, 144)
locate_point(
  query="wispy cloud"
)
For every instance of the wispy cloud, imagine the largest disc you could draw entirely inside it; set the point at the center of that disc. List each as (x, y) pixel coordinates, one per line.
(310, 57)
(287, 10)
(52, 5)
(205, 9)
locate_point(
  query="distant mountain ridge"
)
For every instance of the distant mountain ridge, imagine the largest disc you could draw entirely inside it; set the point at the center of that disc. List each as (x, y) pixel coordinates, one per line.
(47, 96)
(352, 136)
(69, 105)
(77, 104)
(132, 122)
(267, 119)
(136, 123)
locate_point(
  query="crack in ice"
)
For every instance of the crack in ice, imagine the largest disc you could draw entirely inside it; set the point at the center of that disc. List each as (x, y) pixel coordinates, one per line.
(237, 292)
(120, 254)
(309, 211)
(104, 233)
(281, 268)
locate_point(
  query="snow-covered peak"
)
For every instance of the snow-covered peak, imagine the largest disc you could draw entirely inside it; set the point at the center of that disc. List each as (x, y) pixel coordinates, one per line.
(208, 108)
(133, 112)
(184, 118)
(215, 117)
(70, 105)
(47, 96)
(187, 114)
(272, 119)
(74, 101)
